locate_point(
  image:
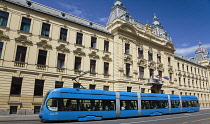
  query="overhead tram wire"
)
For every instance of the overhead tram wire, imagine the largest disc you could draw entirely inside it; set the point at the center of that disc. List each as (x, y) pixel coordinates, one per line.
(74, 79)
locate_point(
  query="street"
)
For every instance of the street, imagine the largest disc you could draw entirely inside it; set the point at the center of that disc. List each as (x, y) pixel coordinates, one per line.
(202, 117)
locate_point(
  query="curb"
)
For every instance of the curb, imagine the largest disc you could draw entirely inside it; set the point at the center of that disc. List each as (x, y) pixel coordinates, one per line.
(19, 120)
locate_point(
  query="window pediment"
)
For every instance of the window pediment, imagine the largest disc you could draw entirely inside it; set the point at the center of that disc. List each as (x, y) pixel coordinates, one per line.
(128, 59)
(79, 52)
(2, 36)
(44, 44)
(94, 55)
(22, 39)
(107, 58)
(151, 65)
(62, 48)
(142, 62)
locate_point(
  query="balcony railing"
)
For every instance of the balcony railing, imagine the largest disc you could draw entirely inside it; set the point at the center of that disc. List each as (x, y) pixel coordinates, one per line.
(155, 81)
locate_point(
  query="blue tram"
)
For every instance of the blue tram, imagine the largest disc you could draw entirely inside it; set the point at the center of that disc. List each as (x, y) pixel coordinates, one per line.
(85, 104)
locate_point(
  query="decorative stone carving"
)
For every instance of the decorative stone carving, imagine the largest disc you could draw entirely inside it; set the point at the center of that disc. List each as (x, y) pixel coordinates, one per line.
(63, 48)
(160, 67)
(151, 65)
(128, 59)
(120, 69)
(79, 52)
(44, 44)
(22, 39)
(148, 29)
(179, 74)
(107, 58)
(170, 69)
(94, 55)
(2, 36)
(142, 62)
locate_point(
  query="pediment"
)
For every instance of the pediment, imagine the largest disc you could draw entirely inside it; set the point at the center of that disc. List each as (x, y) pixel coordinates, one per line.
(107, 58)
(2, 36)
(62, 48)
(94, 55)
(79, 52)
(23, 40)
(128, 28)
(170, 45)
(44, 44)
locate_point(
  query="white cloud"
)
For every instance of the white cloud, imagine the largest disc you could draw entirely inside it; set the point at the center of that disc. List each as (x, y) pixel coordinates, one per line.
(184, 45)
(72, 9)
(103, 19)
(190, 50)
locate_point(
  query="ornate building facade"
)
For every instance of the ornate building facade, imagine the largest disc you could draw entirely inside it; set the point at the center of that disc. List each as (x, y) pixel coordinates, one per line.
(42, 48)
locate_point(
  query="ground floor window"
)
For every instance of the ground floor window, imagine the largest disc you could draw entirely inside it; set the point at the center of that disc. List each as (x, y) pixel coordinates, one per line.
(13, 110)
(36, 109)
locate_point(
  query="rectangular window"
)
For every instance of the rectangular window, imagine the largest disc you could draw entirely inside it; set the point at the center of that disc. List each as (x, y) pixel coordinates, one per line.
(182, 67)
(141, 72)
(106, 88)
(21, 54)
(179, 80)
(129, 89)
(170, 77)
(151, 72)
(106, 46)
(76, 85)
(1, 47)
(77, 65)
(160, 73)
(45, 30)
(42, 57)
(3, 18)
(140, 53)
(178, 66)
(58, 84)
(127, 48)
(92, 66)
(79, 38)
(127, 69)
(150, 56)
(36, 109)
(91, 86)
(169, 61)
(38, 88)
(63, 34)
(61, 60)
(128, 104)
(142, 90)
(16, 86)
(106, 68)
(13, 110)
(158, 58)
(93, 42)
(25, 24)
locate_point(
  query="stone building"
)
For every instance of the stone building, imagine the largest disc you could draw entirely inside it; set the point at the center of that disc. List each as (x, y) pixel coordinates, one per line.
(42, 48)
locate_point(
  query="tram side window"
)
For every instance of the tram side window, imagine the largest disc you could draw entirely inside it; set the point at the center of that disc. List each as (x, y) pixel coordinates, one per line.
(128, 105)
(60, 104)
(175, 104)
(154, 104)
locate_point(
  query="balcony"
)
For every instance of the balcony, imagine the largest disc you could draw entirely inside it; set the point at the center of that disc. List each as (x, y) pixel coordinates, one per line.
(152, 81)
(62, 70)
(19, 64)
(41, 67)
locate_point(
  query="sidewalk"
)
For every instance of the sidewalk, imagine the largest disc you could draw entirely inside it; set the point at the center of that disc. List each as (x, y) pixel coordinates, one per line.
(5, 118)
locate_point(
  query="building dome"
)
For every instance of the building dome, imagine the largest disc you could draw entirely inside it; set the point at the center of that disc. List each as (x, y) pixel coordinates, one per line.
(201, 53)
(201, 50)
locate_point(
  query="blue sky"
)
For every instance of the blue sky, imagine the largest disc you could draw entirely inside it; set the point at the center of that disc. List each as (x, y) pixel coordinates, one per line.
(186, 21)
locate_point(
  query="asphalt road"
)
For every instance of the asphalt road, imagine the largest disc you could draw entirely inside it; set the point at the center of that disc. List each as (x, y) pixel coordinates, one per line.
(202, 117)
